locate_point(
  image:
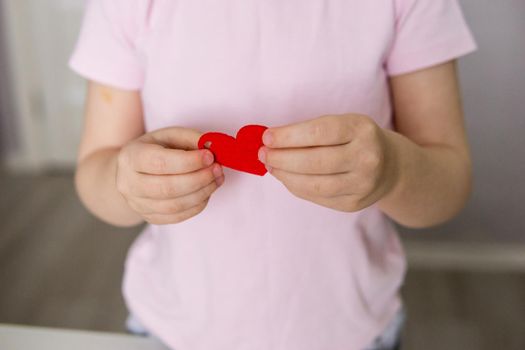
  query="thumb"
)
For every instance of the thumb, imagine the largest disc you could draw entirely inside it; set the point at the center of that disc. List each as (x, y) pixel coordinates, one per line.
(176, 137)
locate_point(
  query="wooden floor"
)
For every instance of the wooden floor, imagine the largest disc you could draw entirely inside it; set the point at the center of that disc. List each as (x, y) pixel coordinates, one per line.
(61, 267)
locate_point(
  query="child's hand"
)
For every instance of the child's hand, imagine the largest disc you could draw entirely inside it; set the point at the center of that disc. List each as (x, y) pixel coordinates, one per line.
(165, 178)
(337, 161)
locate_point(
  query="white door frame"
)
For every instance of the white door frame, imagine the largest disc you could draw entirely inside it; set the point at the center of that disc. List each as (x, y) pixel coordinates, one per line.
(48, 98)
(28, 154)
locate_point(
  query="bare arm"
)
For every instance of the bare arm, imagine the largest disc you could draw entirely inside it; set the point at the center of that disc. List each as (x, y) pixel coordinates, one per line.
(126, 176)
(113, 117)
(419, 174)
(430, 145)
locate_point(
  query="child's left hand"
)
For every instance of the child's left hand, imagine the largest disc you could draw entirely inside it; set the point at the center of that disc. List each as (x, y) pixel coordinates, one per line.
(344, 162)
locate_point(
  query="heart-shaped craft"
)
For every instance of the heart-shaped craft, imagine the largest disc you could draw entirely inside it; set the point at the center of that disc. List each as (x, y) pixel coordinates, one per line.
(239, 153)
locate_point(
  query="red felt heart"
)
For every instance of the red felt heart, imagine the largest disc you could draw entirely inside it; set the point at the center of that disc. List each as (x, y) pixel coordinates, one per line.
(238, 153)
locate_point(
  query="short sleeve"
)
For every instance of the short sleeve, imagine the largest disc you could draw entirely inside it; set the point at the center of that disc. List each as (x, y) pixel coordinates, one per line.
(428, 32)
(105, 50)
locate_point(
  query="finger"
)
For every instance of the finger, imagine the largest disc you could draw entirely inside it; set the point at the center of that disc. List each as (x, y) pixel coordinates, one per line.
(173, 186)
(173, 206)
(311, 160)
(176, 137)
(323, 131)
(346, 203)
(160, 219)
(324, 186)
(150, 158)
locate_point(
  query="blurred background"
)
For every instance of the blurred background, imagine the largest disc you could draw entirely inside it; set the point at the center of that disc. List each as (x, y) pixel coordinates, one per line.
(61, 267)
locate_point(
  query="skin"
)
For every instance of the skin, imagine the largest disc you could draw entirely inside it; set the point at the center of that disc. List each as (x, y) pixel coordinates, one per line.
(419, 174)
(125, 176)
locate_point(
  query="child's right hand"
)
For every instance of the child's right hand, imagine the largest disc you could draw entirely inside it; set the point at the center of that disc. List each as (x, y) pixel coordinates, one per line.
(165, 178)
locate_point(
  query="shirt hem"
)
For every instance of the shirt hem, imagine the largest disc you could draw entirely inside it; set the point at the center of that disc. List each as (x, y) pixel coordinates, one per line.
(430, 56)
(91, 73)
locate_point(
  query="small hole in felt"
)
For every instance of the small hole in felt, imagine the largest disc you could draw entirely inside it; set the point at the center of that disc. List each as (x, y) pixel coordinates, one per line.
(207, 144)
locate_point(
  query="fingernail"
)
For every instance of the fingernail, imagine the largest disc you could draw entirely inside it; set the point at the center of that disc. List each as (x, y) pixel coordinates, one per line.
(262, 155)
(268, 168)
(219, 180)
(217, 171)
(207, 158)
(267, 138)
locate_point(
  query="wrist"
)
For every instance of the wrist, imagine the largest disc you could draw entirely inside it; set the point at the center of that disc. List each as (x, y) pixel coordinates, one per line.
(393, 169)
(96, 187)
(128, 216)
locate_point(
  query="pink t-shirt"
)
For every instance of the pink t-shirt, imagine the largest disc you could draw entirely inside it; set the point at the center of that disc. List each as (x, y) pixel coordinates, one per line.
(261, 269)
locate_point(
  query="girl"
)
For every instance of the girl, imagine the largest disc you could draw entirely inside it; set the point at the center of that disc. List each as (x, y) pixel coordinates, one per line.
(365, 126)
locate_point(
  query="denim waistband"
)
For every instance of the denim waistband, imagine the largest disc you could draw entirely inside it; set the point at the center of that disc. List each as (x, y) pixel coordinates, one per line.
(387, 340)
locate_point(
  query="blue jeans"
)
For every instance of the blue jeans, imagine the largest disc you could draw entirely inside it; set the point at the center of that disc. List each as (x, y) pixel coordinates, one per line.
(390, 339)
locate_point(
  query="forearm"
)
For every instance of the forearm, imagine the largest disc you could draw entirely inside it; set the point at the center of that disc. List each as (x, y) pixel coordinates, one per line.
(95, 183)
(432, 183)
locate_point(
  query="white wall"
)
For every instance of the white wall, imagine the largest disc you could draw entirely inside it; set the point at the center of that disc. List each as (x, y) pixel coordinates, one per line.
(40, 37)
(8, 137)
(493, 81)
